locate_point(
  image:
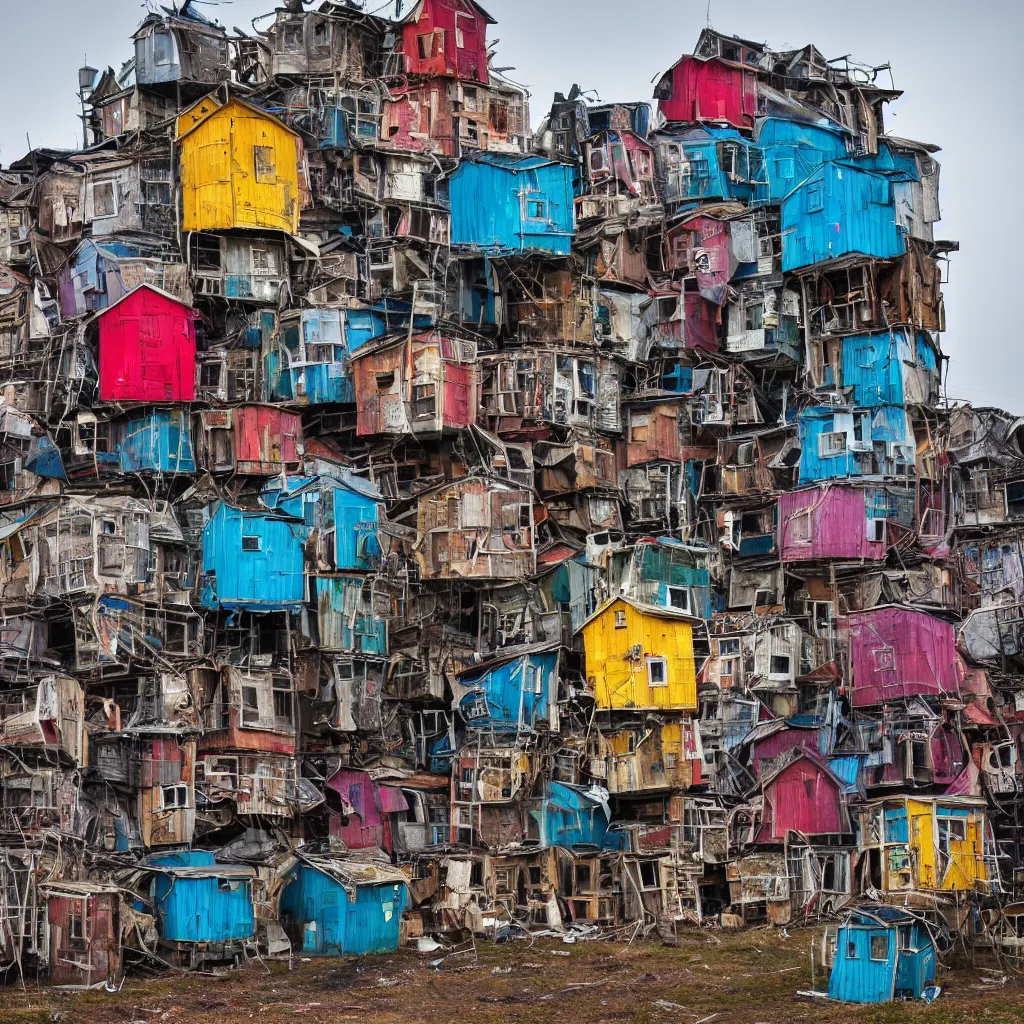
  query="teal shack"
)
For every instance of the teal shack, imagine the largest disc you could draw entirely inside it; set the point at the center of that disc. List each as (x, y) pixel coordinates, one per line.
(503, 204)
(204, 910)
(882, 954)
(333, 907)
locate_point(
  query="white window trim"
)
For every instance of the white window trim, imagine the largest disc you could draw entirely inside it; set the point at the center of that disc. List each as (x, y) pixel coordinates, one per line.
(652, 660)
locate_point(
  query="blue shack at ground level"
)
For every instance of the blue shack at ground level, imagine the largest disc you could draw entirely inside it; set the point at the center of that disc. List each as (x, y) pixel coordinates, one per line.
(882, 954)
(204, 910)
(331, 907)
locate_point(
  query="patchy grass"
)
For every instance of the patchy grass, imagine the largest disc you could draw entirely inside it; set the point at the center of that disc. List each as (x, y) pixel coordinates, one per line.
(750, 977)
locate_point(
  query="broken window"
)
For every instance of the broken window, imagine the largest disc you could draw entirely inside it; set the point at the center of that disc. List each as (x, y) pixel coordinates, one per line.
(104, 199)
(292, 40)
(172, 797)
(250, 705)
(266, 164)
(536, 209)
(163, 47)
(424, 400)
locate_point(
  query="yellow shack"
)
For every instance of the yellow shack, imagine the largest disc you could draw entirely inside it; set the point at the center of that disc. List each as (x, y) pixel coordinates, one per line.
(640, 656)
(927, 844)
(239, 168)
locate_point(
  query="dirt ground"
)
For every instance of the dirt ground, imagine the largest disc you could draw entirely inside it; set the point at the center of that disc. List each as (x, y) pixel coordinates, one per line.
(750, 977)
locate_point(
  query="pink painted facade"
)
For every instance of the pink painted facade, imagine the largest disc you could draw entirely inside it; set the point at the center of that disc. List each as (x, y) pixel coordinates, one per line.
(367, 825)
(447, 38)
(898, 652)
(826, 522)
(708, 90)
(781, 742)
(803, 797)
(702, 246)
(147, 347)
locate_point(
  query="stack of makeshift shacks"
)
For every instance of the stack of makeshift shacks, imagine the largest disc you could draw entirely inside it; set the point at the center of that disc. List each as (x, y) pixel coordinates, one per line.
(416, 525)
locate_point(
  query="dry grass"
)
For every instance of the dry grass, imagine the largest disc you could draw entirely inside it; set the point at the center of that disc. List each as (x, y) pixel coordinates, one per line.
(747, 978)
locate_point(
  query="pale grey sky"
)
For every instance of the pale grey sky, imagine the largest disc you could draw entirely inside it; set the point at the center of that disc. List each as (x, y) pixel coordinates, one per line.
(956, 59)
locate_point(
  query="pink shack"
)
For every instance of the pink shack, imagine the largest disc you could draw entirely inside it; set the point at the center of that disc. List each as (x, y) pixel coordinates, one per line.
(829, 522)
(897, 652)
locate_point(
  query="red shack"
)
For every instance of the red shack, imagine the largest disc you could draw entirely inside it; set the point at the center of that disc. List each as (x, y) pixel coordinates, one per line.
(147, 344)
(897, 652)
(267, 439)
(803, 796)
(447, 38)
(708, 90)
(85, 933)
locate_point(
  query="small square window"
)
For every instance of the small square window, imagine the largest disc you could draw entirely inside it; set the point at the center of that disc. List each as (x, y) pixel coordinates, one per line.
(536, 209)
(657, 672)
(620, 620)
(252, 543)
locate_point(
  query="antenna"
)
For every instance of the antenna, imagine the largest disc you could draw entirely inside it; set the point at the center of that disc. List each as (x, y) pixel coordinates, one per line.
(708, 25)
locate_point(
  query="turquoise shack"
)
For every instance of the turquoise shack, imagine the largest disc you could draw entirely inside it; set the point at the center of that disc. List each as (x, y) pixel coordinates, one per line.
(332, 907)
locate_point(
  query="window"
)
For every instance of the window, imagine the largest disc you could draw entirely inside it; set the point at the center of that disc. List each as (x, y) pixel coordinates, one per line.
(620, 620)
(172, 797)
(876, 531)
(536, 209)
(158, 193)
(649, 874)
(679, 597)
(293, 37)
(598, 161)
(385, 381)
(785, 168)
(263, 262)
(250, 705)
(424, 400)
(815, 198)
(266, 164)
(431, 44)
(657, 672)
(252, 543)
(163, 48)
(639, 429)
(780, 665)
(209, 375)
(283, 702)
(104, 199)
(728, 647)
(78, 930)
(851, 951)
(831, 443)
(879, 947)
(499, 116)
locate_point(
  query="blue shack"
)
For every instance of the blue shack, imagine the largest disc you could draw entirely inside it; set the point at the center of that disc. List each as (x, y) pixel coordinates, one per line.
(204, 910)
(708, 163)
(504, 204)
(158, 441)
(837, 443)
(306, 361)
(512, 694)
(882, 954)
(572, 815)
(840, 208)
(793, 150)
(252, 560)
(332, 907)
(890, 368)
(345, 508)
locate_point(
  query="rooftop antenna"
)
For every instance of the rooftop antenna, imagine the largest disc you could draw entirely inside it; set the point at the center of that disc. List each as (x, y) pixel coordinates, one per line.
(708, 25)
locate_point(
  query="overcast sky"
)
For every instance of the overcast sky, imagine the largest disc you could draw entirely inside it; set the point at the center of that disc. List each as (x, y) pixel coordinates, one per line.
(957, 61)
